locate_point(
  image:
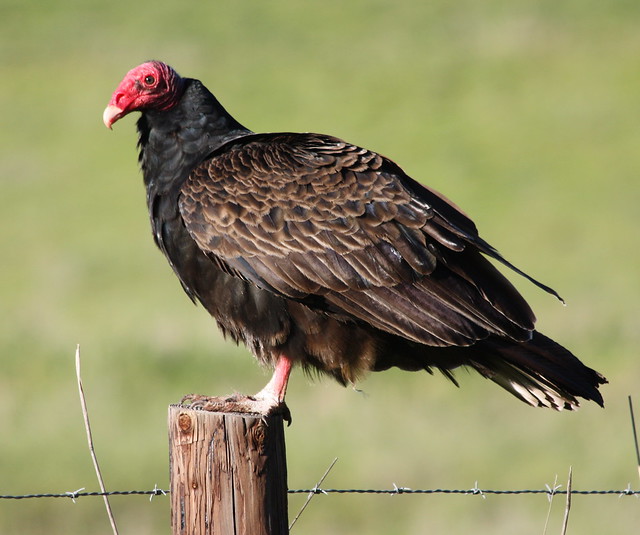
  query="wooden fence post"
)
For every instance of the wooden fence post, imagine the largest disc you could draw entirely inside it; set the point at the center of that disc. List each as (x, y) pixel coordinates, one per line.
(228, 473)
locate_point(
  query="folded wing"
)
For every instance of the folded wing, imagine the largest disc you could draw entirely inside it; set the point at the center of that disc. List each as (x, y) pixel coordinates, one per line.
(346, 232)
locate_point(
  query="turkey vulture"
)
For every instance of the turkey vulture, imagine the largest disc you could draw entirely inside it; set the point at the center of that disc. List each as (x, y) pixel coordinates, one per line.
(315, 252)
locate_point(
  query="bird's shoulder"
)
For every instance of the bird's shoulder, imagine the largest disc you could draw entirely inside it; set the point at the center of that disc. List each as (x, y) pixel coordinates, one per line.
(297, 166)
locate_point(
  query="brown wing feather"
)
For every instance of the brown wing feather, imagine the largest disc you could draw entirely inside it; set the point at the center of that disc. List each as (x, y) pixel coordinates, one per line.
(306, 215)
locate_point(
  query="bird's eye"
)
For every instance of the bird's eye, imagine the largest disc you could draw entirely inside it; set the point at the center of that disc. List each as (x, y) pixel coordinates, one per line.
(149, 79)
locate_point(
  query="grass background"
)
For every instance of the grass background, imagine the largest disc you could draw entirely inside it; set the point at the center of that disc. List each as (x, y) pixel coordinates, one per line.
(525, 113)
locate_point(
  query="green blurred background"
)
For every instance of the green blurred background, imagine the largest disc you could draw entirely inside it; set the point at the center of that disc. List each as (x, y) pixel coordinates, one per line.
(525, 113)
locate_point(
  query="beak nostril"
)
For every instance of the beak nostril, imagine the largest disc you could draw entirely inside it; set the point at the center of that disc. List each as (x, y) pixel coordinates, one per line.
(117, 98)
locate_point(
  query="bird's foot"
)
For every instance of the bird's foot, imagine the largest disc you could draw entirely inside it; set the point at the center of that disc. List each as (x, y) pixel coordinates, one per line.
(258, 405)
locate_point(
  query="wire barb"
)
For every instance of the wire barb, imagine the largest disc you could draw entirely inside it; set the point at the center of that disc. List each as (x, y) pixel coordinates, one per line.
(475, 491)
(400, 490)
(552, 491)
(626, 492)
(157, 492)
(73, 495)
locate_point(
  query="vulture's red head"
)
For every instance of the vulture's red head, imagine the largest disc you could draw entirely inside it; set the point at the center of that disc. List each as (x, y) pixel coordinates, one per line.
(152, 85)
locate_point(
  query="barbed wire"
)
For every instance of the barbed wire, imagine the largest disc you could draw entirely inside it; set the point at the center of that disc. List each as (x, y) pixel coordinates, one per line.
(473, 491)
(549, 491)
(80, 493)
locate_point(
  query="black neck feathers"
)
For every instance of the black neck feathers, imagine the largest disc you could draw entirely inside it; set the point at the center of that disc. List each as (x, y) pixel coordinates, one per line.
(174, 141)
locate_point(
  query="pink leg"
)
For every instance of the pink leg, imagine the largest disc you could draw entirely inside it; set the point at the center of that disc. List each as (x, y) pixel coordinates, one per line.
(276, 388)
(268, 401)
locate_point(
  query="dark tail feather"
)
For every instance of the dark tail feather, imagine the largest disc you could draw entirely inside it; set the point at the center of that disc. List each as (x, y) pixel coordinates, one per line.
(540, 372)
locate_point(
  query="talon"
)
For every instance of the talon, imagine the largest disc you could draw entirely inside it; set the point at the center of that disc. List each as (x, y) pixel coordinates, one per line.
(257, 405)
(188, 398)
